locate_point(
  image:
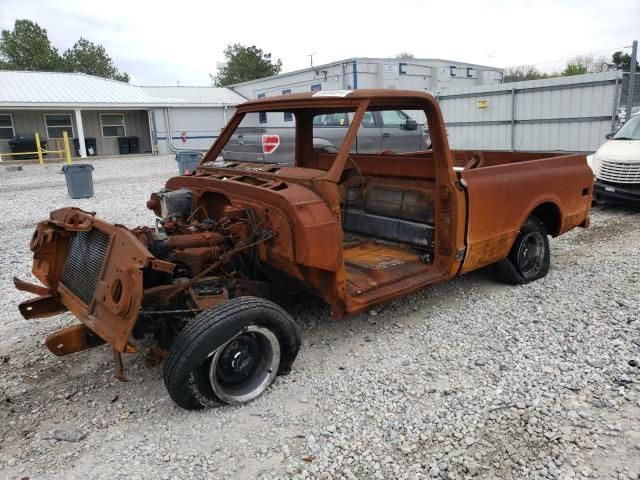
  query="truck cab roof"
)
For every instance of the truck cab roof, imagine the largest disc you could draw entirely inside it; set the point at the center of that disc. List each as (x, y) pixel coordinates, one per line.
(378, 99)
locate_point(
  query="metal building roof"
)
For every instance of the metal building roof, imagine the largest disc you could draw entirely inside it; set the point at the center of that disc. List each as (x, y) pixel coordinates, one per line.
(196, 95)
(78, 90)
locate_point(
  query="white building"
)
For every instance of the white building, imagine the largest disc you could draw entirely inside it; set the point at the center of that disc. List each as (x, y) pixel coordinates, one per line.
(421, 74)
(99, 113)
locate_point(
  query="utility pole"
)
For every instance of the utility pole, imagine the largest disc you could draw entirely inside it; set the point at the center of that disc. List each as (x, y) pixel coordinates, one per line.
(632, 79)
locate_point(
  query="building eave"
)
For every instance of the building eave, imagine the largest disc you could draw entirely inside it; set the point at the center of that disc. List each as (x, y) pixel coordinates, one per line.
(107, 106)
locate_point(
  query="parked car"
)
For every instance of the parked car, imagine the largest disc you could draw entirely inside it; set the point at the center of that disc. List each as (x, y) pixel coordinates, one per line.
(353, 229)
(256, 141)
(616, 166)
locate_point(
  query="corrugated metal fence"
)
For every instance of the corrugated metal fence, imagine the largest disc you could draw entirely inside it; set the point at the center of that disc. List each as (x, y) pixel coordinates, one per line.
(557, 114)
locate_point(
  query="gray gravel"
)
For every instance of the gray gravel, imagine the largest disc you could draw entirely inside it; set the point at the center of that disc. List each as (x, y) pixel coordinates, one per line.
(466, 379)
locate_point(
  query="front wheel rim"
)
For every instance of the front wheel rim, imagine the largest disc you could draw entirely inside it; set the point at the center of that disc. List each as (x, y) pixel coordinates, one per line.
(242, 368)
(531, 254)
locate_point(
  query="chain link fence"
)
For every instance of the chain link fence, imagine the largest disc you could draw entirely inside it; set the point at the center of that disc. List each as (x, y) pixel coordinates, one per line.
(624, 97)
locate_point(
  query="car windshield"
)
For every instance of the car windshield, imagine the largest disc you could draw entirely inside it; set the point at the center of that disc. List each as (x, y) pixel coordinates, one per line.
(630, 130)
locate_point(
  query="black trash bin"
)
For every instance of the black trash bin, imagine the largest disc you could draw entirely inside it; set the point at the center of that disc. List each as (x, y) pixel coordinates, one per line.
(25, 142)
(76, 148)
(123, 145)
(91, 145)
(133, 145)
(79, 180)
(188, 161)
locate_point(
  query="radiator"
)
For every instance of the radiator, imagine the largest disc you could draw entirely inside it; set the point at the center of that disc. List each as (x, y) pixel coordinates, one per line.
(83, 265)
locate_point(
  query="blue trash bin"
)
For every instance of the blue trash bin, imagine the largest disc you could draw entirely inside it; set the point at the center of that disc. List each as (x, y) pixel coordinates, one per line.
(79, 179)
(188, 161)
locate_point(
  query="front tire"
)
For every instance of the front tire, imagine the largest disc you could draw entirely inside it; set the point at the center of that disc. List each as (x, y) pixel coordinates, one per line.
(530, 256)
(230, 354)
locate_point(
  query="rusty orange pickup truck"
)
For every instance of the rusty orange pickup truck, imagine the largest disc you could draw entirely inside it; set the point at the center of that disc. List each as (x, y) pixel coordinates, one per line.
(352, 228)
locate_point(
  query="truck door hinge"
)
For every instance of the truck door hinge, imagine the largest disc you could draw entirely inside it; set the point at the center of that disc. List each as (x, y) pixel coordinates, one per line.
(460, 254)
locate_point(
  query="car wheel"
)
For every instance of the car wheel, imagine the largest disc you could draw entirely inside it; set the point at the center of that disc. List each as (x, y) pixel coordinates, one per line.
(230, 354)
(530, 257)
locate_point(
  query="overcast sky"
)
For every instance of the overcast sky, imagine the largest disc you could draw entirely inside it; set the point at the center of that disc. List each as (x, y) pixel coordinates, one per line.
(160, 43)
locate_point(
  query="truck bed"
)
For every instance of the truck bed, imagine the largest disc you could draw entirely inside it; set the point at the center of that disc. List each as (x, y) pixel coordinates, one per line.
(492, 158)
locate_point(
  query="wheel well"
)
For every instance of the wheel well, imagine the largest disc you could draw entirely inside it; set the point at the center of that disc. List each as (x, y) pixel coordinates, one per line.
(549, 214)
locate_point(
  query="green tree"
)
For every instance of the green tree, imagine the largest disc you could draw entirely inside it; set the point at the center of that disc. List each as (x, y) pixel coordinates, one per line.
(574, 69)
(522, 72)
(582, 64)
(622, 61)
(87, 57)
(27, 47)
(244, 63)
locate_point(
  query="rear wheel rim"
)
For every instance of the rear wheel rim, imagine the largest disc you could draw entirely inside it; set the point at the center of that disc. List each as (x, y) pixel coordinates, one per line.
(530, 256)
(243, 367)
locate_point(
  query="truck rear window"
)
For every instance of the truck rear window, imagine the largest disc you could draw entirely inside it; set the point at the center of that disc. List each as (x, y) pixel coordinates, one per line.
(265, 137)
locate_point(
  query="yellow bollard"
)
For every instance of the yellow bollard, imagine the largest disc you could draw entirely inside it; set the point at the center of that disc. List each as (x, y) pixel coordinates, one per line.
(67, 152)
(39, 149)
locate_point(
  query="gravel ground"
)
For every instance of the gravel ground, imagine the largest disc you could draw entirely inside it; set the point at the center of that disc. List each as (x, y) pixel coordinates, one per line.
(466, 379)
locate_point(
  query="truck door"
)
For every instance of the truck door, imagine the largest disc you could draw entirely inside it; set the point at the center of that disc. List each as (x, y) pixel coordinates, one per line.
(245, 145)
(257, 141)
(398, 135)
(330, 129)
(369, 137)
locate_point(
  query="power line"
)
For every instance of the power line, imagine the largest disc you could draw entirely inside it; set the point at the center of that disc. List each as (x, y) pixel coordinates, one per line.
(609, 50)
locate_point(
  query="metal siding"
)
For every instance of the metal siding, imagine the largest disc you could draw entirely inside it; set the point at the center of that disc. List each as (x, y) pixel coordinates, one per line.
(196, 122)
(479, 137)
(135, 122)
(137, 125)
(91, 127)
(582, 105)
(31, 121)
(23, 122)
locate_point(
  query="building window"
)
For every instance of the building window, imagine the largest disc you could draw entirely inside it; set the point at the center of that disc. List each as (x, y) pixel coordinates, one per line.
(452, 71)
(262, 116)
(316, 87)
(402, 68)
(6, 127)
(58, 123)
(469, 72)
(288, 116)
(112, 125)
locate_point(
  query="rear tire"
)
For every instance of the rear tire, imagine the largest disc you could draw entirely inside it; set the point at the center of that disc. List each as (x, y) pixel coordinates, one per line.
(230, 354)
(530, 257)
